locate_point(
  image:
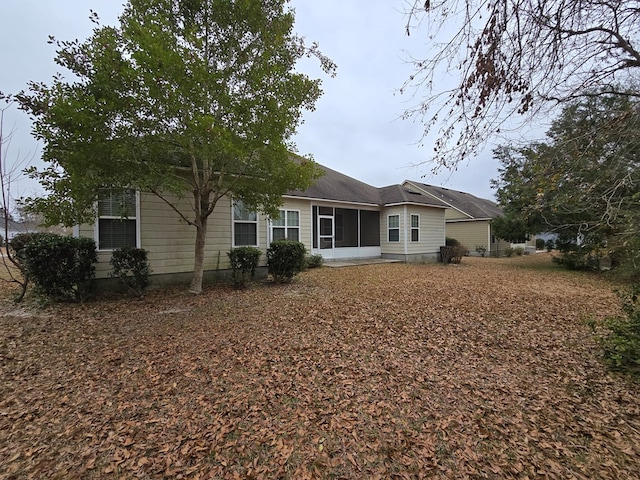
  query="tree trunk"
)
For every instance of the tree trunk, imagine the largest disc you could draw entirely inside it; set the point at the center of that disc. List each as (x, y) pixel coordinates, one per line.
(198, 266)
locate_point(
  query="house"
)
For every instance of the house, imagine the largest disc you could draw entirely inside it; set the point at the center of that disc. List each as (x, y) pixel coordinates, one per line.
(338, 217)
(14, 228)
(468, 218)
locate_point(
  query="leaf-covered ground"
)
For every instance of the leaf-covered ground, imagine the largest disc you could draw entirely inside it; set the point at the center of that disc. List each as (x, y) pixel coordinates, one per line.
(483, 370)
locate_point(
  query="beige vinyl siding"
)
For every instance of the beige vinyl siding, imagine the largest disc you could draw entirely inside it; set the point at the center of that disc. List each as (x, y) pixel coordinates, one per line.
(396, 248)
(102, 267)
(470, 234)
(170, 241)
(304, 207)
(432, 229)
(453, 214)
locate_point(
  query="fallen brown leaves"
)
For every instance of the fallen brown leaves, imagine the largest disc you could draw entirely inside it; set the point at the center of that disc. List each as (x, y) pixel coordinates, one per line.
(482, 370)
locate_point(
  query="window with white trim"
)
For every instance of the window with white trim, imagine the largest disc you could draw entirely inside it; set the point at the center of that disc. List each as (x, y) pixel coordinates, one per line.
(245, 226)
(393, 226)
(117, 219)
(415, 228)
(286, 226)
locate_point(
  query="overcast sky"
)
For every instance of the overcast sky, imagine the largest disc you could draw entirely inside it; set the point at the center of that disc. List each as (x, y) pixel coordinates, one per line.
(355, 128)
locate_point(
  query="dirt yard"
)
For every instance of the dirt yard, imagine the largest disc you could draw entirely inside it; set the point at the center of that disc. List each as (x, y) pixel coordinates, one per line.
(488, 369)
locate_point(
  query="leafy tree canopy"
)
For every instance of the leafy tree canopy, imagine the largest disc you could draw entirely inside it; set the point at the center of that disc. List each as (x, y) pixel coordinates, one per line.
(511, 228)
(584, 180)
(197, 98)
(512, 58)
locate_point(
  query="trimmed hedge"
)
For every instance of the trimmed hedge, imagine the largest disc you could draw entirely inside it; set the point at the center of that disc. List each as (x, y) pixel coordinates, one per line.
(131, 267)
(19, 241)
(454, 251)
(314, 261)
(244, 261)
(285, 259)
(60, 267)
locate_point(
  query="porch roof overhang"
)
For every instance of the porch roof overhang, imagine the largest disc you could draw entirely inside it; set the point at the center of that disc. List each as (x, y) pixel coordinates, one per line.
(329, 200)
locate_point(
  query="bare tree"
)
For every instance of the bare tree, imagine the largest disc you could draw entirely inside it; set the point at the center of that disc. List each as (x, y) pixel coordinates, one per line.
(10, 171)
(514, 58)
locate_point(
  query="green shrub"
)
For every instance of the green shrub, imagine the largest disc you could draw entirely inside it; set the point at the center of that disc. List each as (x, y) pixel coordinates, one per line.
(244, 261)
(285, 259)
(540, 243)
(451, 242)
(131, 267)
(19, 241)
(455, 253)
(314, 261)
(566, 245)
(622, 344)
(579, 259)
(446, 254)
(550, 244)
(60, 267)
(511, 251)
(15, 248)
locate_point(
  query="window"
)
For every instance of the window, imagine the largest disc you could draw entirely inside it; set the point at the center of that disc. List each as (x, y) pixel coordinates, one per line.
(415, 228)
(245, 226)
(286, 226)
(394, 228)
(117, 219)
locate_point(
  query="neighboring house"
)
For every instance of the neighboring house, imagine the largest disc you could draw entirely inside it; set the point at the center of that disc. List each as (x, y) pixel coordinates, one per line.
(14, 228)
(468, 218)
(28, 226)
(338, 217)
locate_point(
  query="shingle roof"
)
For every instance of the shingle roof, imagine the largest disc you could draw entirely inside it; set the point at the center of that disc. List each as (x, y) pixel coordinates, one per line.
(395, 194)
(342, 188)
(474, 207)
(339, 187)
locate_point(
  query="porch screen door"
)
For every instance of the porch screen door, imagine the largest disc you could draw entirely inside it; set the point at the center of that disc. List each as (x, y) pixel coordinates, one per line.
(325, 232)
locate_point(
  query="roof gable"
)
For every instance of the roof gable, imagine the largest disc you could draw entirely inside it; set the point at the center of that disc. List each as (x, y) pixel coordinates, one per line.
(398, 194)
(335, 186)
(470, 205)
